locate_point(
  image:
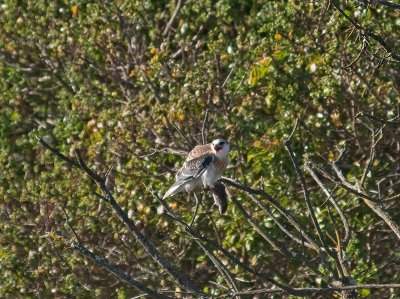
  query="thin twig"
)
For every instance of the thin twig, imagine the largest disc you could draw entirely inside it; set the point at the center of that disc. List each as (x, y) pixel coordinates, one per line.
(282, 250)
(304, 186)
(357, 58)
(334, 203)
(173, 17)
(259, 230)
(382, 2)
(214, 225)
(146, 244)
(371, 158)
(319, 291)
(375, 206)
(392, 123)
(58, 154)
(223, 270)
(188, 142)
(195, 236)
(277, 206)
(367, 33)
(280, 225)
(105, 265)
(230, 73)
(78, 239)
(203, 128)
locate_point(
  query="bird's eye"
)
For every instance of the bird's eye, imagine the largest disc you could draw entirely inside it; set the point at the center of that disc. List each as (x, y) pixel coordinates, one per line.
(221, 143)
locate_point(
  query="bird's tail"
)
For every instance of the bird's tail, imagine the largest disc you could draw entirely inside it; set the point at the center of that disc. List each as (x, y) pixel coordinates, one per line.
(175, 188)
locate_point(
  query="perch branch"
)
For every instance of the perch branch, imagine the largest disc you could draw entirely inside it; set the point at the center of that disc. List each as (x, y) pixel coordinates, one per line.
(149, 247)
(98, 260)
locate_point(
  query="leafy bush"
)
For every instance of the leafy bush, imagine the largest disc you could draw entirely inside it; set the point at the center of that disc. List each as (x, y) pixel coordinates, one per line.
(130, 84)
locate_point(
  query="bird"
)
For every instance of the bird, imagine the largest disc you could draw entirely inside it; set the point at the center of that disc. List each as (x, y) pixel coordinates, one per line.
(203, 166)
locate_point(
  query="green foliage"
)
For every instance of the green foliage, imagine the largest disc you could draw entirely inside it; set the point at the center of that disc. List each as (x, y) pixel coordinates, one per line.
(103, 77)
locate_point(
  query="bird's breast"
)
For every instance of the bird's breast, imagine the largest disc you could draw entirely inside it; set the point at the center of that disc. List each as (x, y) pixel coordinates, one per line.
(220, 165)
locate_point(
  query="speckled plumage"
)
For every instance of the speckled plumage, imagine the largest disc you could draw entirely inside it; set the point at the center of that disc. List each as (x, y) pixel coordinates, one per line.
(202, 167)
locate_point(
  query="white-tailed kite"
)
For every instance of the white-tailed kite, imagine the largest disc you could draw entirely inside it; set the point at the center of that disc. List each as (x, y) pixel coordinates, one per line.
(203, 167)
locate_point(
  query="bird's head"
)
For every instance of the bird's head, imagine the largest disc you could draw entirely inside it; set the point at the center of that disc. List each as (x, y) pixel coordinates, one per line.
(221, 147)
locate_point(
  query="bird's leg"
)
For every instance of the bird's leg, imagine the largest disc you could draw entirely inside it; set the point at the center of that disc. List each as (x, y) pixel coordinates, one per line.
(220, 197)
(195, 210)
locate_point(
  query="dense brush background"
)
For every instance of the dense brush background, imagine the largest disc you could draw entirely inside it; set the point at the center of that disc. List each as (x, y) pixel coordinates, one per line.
(112, 79)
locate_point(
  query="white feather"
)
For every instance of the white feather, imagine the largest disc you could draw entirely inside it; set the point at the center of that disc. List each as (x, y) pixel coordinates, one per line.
(208, 178)
(171, 191)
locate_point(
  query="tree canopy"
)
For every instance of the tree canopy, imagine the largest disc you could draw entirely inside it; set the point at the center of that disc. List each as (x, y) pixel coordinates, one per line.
(101, 100)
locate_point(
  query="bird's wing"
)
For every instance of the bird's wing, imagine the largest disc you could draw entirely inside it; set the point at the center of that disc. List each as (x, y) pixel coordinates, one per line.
(197, 161)
(197, 151)
(194, 167)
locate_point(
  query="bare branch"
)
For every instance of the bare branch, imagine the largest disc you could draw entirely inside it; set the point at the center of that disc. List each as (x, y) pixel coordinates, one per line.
(104, 264)
(280, 225)
(282, 250)
(230, 73)
(305, 189)
(203, 128)
(392, 123)
(196, 237)
(173, 17)
(260, 231)
(222, 269)
(382, 2)
(60, 155)
(357, 58)
(67, 222)
(321, 291)
(334, 203)
(371, 155)
(188, 142)
(367, 33)
(147, 245)
(374, 205)
(277, 206)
